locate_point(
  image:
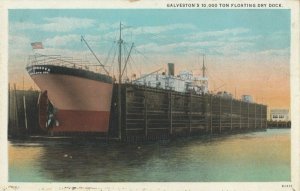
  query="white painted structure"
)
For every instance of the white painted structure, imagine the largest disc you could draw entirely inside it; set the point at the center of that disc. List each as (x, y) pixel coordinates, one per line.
(279, 115)
(183, 82)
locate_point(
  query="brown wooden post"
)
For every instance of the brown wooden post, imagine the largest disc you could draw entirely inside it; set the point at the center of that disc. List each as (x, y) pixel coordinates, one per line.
(211, 115)
(231, 114)
(16, 109)
(126, 113)
(170, 112)
(248, 117)
(220, 122)
(25, 112)
(190, 114)
(146, 113)
(261, 116)
(254, 116)
(266, 124)
(240, 114)
(9, 107)
(206, 102)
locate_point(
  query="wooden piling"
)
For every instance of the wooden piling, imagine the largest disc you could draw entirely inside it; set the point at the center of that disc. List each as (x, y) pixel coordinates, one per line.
(9, 106)
(266, 122)
(211, 115)
(126, 112)
(146, 113)
(248, 116)
(255, 116)
(171, 112)
(190, 114)
(119, 109)
(261, 117)
(16, 109)
(25, 112)
(205, 112)
(220, 123)
(240, 114)
(231, 114)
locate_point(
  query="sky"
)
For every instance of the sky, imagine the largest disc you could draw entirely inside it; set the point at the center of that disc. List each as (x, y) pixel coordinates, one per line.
(246, 51)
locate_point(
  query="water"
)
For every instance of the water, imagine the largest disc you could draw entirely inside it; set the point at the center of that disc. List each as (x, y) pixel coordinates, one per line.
(258, 156)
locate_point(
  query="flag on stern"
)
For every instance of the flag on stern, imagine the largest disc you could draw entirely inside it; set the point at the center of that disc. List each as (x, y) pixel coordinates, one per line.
(37, 45)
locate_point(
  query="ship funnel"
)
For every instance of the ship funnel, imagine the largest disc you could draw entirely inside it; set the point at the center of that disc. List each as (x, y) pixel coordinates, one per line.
(171, 69)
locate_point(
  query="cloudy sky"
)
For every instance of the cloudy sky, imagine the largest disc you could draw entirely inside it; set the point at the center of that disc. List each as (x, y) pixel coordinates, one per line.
(247, 51)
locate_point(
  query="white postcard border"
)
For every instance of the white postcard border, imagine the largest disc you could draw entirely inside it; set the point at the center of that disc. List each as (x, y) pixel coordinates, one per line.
(293, 5)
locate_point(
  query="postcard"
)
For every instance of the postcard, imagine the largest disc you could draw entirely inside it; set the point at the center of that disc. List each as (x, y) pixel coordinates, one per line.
(150, 95)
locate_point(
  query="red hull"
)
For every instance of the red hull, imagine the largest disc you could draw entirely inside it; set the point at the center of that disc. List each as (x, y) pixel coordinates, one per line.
(82, 121)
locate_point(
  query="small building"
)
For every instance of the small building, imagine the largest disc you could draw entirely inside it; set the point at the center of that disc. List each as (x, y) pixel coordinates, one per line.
(279, 115)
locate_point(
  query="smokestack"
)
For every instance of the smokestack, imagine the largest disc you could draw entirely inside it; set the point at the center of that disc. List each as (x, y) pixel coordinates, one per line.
(171, 69)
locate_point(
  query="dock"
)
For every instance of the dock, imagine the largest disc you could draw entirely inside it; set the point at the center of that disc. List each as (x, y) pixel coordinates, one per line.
(155, 114)
(149, 114)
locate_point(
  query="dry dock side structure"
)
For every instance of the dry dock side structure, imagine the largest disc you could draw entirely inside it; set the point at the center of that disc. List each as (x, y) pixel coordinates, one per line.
(153, 114)
(22, 112)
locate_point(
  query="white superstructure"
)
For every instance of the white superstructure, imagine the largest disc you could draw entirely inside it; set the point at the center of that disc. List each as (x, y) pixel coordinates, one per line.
(183, 82)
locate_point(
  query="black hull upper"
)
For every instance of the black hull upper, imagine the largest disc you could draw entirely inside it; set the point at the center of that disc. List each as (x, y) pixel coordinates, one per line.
(53, 69)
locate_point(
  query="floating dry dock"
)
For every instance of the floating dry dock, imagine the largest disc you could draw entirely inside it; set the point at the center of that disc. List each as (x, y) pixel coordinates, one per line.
(152, 113)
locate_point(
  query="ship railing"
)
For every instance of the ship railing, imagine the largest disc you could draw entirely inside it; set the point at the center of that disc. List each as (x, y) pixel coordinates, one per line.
(58, 60)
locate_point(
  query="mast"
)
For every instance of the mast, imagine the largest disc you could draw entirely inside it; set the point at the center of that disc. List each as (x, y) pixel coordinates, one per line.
(120, 81)
(120, 54)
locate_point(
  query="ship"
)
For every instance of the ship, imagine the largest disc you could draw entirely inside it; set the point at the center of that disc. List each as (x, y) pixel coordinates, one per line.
(77, 99)
(72, 99)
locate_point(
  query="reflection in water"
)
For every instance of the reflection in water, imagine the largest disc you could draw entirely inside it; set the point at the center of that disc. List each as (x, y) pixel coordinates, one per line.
(260, 156)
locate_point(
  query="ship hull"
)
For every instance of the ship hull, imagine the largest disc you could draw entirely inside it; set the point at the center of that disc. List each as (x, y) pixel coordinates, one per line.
(82, 121)
(81, 102)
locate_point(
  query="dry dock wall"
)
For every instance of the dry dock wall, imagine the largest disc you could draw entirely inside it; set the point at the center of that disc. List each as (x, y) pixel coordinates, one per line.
(22, 113)
(151, 114)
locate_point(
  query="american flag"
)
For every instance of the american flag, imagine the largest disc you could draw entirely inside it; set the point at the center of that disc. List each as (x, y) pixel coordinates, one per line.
(37, 45)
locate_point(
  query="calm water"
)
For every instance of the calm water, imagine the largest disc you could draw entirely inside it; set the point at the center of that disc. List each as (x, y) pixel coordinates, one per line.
(259, 156)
